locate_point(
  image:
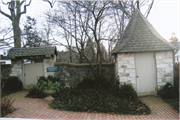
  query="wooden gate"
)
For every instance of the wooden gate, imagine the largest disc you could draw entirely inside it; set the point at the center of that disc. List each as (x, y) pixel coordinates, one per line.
(145, 73)
(31, 73)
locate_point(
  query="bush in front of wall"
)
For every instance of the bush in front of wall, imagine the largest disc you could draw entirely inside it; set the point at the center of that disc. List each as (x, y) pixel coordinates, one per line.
(12, 83)
(51, 78)
(126, 91)
(110, 83)
(169, 95)
(35, 93)
(167, 92)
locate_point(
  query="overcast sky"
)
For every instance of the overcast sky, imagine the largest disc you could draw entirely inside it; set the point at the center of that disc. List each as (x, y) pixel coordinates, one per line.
(164, 15)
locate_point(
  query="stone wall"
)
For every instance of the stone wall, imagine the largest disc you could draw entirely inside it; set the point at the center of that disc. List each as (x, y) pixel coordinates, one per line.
(72, 74)
(125, 68)
(5, 70)
(17, 69)
(49, 62)
(164, 62)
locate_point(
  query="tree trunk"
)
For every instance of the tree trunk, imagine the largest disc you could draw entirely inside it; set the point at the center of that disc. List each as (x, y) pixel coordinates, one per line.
(17, 33)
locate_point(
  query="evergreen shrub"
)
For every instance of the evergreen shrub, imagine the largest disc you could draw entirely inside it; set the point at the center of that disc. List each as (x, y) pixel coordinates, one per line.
(127, 91)
(35, 93)
(12, 83)
(167, 92)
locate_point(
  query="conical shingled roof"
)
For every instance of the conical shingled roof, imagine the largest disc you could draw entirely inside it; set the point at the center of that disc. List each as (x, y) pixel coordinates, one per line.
(140, 36)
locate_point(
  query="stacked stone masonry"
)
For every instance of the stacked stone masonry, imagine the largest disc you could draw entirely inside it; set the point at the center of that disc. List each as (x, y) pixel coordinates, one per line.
(125, 68)
(48, 63)
(72, 74)
(164, 62)
(17, 69)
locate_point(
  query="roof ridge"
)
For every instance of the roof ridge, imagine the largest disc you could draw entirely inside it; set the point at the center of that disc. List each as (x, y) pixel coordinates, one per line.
(34, 47)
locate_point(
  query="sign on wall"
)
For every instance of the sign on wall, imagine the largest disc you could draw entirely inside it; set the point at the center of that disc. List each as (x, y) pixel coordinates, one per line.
(52, 69)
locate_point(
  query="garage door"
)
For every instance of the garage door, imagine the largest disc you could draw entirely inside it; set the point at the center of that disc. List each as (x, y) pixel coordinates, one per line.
(31, 73)
(145, 73)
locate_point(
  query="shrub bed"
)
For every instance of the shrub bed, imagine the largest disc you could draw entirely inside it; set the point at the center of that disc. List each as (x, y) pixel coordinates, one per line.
(97, 100)
(100, 95)
(169, 94)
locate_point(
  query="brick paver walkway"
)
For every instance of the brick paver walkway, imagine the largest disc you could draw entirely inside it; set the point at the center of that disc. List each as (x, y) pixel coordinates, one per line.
(39, 109)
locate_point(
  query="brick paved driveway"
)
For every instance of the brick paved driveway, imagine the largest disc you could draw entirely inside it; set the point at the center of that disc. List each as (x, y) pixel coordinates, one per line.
(39, 109)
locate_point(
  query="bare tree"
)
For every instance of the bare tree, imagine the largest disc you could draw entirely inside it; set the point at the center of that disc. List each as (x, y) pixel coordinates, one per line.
(6, 40)
(84, 20)
(15, 8)
(122, 14)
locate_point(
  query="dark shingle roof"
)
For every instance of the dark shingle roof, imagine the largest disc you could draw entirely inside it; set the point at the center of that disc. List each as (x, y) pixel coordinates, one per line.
(34, 51)
(140, 36)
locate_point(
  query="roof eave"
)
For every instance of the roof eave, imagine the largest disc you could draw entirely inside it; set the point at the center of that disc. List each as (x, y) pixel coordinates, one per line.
(114, 53)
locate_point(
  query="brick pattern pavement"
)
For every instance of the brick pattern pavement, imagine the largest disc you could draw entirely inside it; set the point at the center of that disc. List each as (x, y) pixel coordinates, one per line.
(34, 108)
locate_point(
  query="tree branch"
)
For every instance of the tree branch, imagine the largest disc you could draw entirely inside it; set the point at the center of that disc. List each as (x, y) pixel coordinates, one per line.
(5, 14)
(50, 3)
(24, 8)
(148, 11)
